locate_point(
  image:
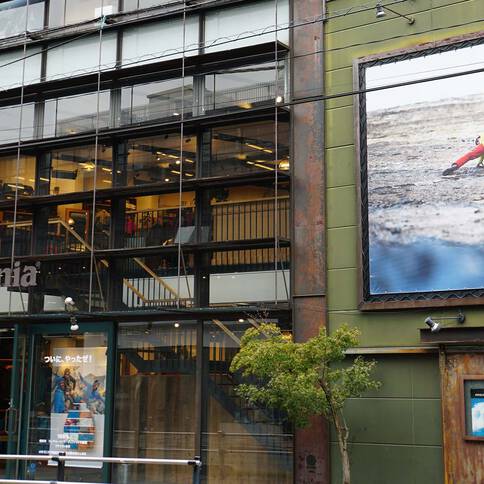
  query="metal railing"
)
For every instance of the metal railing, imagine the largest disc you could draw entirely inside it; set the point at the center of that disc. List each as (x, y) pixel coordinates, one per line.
(61, 459)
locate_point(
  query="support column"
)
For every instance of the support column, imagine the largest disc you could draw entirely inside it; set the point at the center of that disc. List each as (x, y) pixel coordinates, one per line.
(311, 459)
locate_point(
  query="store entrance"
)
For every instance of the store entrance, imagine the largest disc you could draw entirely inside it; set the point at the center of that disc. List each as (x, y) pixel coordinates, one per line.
(68, 400)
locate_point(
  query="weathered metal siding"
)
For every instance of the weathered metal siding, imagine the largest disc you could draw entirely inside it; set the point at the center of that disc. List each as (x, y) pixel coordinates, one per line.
(463, 459)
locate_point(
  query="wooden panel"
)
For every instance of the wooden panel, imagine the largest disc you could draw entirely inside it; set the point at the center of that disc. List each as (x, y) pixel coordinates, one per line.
(463, 458)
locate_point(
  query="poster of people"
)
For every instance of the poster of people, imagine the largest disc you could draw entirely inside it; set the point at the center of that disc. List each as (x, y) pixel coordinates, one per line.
(425, 168)
(78, 402)
(477, 412)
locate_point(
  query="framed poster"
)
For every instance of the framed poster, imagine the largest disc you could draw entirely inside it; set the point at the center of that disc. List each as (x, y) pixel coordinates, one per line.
(473, 407)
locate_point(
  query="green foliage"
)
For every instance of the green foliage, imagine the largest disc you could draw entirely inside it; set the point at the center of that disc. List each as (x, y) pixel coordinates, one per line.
(302, 379)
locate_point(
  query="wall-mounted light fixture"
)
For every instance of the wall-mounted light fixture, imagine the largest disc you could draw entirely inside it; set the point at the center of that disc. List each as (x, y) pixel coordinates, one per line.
(435, 324)
(380, 13)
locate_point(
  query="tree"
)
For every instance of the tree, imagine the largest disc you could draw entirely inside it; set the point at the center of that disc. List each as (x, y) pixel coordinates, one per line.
(304, 379)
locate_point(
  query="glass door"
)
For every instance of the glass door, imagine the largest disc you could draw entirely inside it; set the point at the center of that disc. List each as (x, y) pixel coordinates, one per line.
(12, 370)
(69, 400)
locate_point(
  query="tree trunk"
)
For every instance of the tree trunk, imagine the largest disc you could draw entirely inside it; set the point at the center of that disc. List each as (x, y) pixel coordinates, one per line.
(342, 432)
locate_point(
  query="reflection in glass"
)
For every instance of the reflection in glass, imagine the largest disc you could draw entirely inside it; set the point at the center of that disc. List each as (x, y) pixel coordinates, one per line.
(12, 16)
(73, 170)
(157, 159)
(156, 100)
(246, 148)
(10, 123)
(23, 232)
(241, 442)
(10, 180)
(69, 382)
(243, 87)
(13, 71)
(155, 412)
(76, 114)
(66, 12)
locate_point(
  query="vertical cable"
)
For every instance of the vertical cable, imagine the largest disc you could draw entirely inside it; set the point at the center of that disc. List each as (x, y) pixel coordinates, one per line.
(276, 159)
(182, 129)
(96, 143)
(17, 168)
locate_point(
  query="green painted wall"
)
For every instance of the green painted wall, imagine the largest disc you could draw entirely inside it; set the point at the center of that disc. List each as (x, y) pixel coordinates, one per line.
(435, 20)
(396, 433)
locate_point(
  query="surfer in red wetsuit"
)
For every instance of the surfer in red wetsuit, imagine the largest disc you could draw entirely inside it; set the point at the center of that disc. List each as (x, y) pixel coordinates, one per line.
(477, 152)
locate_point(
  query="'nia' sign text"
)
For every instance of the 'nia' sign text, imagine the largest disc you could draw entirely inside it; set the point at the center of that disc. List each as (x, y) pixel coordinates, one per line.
(25, 276)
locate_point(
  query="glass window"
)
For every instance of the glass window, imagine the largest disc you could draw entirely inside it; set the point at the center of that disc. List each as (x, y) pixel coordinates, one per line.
(13, 177)
(12, 73)
(81, 56)
(241, 442)
(157, 159)
(154, 220)
(23, 232)
(246, 148)
(159, 41)
(66, 12)
(76, 114)
(156, 100)
(72, 169)
(138, 4)
(10, 122)
(12, 16)
(68, 228)
(155, 414)
(230, 22)
(243, 87)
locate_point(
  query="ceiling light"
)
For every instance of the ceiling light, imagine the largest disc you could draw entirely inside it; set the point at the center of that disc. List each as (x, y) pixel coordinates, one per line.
(177, 325)
(279, 99)
(284, 165)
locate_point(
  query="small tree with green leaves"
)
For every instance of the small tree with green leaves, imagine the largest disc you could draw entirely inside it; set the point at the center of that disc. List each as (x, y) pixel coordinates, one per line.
(304, 379)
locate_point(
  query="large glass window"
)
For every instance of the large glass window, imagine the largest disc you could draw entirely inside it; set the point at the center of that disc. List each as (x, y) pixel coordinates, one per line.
(159, 41)
(65, 12)
(243, 87)
(157, 160)
(76, 169)
(246, 148)
(230, 22)
(12, 67)
(10, 123)
(155, 414)
(13, 16)
(241, 442)
(154, 220)
(17, 175)
(156, 100)
(76, 114)
(81, 56)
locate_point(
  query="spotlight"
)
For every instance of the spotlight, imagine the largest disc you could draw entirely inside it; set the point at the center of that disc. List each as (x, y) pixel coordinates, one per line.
(433, 325)
(70, 305)
(74, 324)
(177, 325)
(279, 99)
(380, 11)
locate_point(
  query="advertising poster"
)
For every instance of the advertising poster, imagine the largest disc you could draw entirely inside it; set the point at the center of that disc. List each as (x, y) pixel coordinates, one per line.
(78, 403)
(477, 412)
(425, 172)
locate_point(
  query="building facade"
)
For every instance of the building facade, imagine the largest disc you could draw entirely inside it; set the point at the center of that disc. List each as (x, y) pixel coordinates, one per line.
(145, 224)
(400, 232)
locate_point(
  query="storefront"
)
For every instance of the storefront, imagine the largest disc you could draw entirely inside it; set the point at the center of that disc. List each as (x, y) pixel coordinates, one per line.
(135, 389)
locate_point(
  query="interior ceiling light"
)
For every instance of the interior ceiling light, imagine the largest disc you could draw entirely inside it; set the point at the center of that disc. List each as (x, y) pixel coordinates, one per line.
(284, 165)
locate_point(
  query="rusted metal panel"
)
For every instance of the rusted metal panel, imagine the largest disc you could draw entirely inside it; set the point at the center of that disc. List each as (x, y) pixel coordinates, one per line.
(463, 459)
(308, 238)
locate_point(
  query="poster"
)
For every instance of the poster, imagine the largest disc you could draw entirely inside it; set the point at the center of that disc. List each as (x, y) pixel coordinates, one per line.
(78, 402)
(425, 173)
(477, 412)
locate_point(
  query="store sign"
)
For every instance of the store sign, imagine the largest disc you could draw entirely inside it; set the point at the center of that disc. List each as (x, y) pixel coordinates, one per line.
(20, 276)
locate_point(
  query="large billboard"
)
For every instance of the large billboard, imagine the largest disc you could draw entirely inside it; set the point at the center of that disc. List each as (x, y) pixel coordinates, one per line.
(422, 158)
